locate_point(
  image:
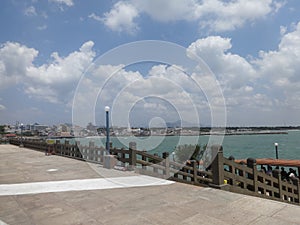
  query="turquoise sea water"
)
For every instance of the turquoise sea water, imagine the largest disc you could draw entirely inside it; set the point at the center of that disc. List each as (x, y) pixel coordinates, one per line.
(239, 146)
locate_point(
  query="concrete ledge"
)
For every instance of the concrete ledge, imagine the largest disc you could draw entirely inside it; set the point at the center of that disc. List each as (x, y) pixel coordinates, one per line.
(224, 187)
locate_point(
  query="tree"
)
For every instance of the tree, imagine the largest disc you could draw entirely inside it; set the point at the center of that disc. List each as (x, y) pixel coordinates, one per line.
(2, 129)
(188, 152)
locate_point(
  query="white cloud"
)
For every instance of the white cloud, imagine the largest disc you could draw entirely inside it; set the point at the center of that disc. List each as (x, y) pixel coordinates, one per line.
(166, 11)
(2, 107)
(30, 11)
(223, 16)
(121, 17)
(283, 63)
(268, 84)
(43, 27)
(129, 92)
(279, 5)
(57, 80)
(283, 30)
(262, 86)
(233, 71)
(63, 2)
(15, 59)
(44, 15)
(215, 15)
(54, 82)
(282, 68)
(95, 17)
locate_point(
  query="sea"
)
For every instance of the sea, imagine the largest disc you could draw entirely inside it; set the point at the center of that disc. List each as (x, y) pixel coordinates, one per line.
(239, 146)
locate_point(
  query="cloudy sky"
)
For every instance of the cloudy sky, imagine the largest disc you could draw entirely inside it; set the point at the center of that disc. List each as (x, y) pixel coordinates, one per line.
(52, 61)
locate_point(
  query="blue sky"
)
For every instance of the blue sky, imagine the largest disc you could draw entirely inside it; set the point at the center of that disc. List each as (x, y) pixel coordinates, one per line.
(251, 47)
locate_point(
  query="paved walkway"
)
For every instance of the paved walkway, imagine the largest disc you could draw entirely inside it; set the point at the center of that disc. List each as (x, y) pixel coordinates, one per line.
(39, 189)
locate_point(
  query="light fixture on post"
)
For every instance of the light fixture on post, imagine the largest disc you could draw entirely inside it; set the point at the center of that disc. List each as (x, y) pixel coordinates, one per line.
(276, 149)
(107, 129)
(173, 156)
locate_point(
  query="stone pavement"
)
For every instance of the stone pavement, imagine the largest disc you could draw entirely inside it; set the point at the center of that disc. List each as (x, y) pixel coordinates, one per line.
(68, 191)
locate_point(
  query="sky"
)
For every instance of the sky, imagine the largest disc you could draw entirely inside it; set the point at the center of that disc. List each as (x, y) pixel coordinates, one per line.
(208, 62)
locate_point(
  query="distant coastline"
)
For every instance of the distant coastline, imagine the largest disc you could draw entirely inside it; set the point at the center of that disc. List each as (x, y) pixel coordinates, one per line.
(158, 131)
(247, 133)
(187, 134)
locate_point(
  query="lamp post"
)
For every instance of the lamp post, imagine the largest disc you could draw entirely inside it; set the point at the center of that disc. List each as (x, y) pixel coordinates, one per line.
(107, 129)
(21, 143)
(276, 149)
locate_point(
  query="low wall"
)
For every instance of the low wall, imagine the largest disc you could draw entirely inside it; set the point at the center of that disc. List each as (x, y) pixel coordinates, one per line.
(223, 173)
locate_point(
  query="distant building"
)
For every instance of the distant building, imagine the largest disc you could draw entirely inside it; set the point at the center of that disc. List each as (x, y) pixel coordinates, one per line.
(10, 135)
(65, 134)
(40, 127)
(140, 131)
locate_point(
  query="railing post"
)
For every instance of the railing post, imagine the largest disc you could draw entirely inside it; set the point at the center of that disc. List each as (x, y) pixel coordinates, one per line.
(123, 157)
(132, 145)
(102, 153)
(91, 150)
(251, 163)
(165, 155)
(276, 173)
(58, 149)
(67, 148)
(217, 167)
(195, 171)
(132, 154)
(298, 190)
(144, 158)
(232, 170)
(77, 150)
(64, 149)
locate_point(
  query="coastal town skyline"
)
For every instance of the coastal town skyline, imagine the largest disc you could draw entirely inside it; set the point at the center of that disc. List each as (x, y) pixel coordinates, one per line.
(65, 130)
(252, 49)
